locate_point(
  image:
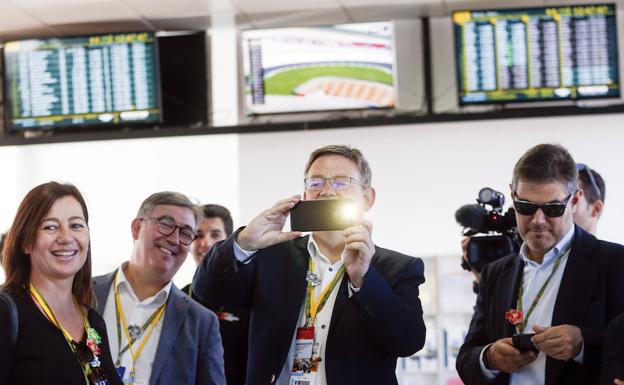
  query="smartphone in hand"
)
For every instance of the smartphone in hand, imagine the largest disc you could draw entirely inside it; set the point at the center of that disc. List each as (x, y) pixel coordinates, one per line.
(322, 215)
(523, 342)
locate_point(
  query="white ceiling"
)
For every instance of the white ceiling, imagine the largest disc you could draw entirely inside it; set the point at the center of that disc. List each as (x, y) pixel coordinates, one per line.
(40, 18)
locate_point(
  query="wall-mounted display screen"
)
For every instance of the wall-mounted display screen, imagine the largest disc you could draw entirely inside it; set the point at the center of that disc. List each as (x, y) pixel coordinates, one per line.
(536, 54)
(333, 67)
(92, 80)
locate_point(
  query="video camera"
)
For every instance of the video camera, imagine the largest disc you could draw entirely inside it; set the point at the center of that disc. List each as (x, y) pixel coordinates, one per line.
(486, 217)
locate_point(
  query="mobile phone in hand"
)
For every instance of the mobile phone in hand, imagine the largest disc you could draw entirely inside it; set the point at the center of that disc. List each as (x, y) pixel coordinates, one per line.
(523, 342)
(322, 215)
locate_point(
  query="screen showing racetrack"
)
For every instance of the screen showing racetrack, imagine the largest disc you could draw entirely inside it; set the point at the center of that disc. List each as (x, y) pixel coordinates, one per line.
(92, 80)
(333, 67)
(536, 54)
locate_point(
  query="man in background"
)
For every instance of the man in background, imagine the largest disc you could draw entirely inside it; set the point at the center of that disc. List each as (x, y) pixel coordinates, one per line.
(216, 225)
(592, 201)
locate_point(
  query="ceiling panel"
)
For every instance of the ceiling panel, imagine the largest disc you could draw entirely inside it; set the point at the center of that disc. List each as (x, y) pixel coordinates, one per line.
(182, 23)
(457, 5)
(102, 28)
(300, 18)
(167, 9)
(395, 12)
(12, 18)
(75, 11)
(255, 6)
(377, 3)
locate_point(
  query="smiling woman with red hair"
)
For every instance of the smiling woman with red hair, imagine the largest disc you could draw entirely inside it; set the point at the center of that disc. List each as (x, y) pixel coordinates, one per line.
(47, 262)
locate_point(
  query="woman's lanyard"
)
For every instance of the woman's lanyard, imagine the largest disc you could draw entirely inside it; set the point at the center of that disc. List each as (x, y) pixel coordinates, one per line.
(47, 311)
(313, 307)
(525, 319)
(149, 325)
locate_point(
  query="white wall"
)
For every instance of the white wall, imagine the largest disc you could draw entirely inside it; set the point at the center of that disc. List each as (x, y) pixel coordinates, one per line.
(422, 174)
(115, 177)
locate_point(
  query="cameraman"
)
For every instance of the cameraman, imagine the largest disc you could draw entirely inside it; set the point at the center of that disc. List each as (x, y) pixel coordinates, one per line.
(558, 263)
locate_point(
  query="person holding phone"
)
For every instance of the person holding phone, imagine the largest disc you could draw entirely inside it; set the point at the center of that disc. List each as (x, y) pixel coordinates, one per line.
(328, 308)
(47, 261)
(564, 286)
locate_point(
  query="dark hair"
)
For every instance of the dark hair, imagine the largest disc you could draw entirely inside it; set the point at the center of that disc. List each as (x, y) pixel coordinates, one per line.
(588, 189)
(353, 154)
(23, 235)
(168, 198)
(546, 163)
(218, 211)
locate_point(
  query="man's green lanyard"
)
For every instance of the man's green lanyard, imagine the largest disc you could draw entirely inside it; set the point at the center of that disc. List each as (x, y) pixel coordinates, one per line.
(313, 307)
(525, 318)
(153, 319)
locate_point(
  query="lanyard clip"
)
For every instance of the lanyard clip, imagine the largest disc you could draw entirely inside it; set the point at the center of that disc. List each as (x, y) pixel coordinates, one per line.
(313, 278)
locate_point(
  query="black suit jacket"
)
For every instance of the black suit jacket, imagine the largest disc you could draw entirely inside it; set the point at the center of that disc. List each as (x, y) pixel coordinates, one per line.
(591, 294)
(367, 332)
(613, 355)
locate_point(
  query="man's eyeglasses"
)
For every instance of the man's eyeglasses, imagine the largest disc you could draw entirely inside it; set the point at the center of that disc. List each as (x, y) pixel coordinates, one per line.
(316, 183)
(551, 209)
(582, 166)
(166, 226)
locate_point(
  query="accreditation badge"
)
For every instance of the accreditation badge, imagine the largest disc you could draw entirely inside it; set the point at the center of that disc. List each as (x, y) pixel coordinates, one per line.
(305, 364)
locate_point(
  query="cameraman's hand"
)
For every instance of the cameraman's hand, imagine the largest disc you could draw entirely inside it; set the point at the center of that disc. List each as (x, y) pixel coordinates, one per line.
(503, 356)
(358, 251)
(562, 342)
(266, 229)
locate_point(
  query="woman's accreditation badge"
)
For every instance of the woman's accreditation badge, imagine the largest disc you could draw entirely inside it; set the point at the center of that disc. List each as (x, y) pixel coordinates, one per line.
(514, 316)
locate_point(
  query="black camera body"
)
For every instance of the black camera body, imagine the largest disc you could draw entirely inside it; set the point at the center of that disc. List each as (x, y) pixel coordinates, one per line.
(500, 235)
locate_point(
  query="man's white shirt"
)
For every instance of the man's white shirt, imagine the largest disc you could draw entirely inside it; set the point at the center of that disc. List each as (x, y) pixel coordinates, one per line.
(136, 313)
(326, 272)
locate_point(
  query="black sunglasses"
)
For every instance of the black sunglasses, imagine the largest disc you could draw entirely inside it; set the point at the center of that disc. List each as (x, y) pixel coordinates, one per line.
(551, 209)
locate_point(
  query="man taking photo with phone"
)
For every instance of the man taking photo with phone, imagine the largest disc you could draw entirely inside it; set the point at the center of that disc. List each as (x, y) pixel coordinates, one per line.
(329, 308)
(564, 286)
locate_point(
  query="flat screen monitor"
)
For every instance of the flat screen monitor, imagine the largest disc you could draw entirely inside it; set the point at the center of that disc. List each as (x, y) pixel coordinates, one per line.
(536, 54)
(331, 67)
(82, 81)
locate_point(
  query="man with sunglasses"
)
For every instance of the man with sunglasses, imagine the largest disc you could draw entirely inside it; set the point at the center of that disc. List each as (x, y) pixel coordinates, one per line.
(157, 334)
(564, 286)
(328, 308)
(591, 203)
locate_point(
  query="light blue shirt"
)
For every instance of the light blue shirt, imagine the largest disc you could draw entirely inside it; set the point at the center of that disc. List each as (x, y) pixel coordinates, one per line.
(534, 276)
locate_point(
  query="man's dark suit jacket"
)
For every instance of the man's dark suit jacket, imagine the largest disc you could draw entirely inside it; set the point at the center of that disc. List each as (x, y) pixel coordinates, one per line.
(590, 295)
(367, 332)
(613, 354)
(234, 334)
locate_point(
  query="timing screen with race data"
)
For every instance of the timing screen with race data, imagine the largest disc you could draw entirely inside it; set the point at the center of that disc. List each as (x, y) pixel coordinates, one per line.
(536, 54)
(93, 80)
